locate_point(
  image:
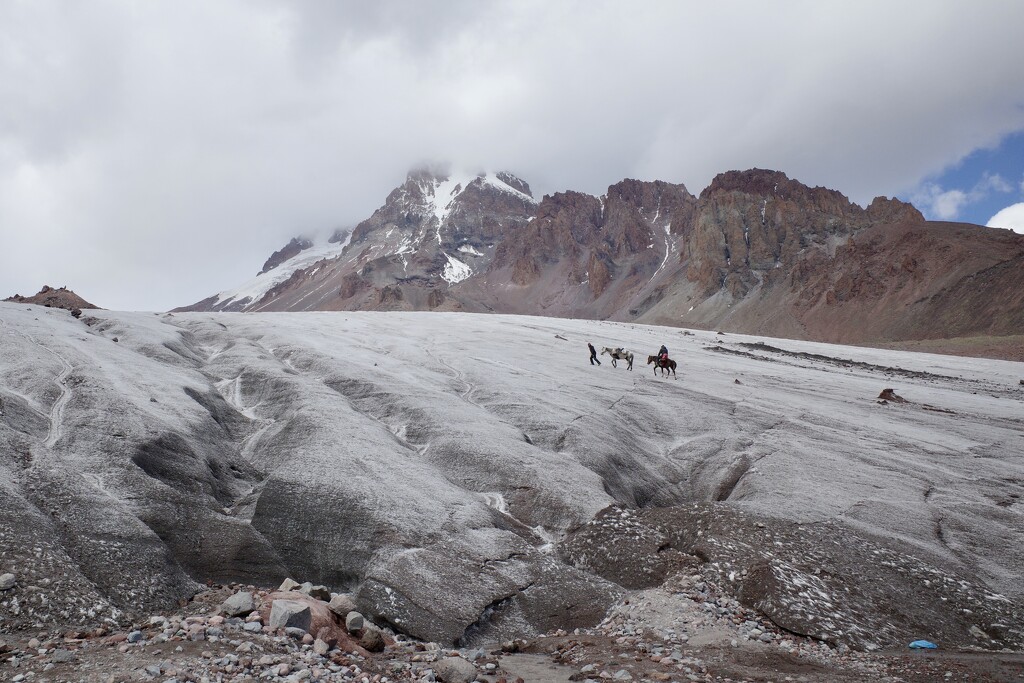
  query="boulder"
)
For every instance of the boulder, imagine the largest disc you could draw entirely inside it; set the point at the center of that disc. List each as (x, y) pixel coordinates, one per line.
(371, 638)
(238, 605)
(289, 585)
(341, 604)
(454, 670)
(488, 586)
(7, 582)
(290, 614)
(327, 635)
(354, 622)
(318, 592)
(323, 623)
(890, 395)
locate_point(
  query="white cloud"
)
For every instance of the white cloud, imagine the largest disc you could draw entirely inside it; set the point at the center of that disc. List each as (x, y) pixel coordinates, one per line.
(153, 139)
(939, 204)
(1012, 217)
(946, 205)
(991, 182)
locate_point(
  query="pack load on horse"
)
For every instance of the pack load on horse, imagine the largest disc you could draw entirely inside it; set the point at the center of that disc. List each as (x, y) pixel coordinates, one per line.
(618, 354)
(662, 361)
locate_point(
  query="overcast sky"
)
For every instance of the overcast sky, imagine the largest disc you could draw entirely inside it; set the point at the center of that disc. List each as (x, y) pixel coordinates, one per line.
(154, 153)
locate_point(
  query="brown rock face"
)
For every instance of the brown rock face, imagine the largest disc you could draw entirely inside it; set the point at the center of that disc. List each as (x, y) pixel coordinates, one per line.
(756, 252)
(562, 224)
(751, 223)
(53, 298)
(915, 280)
(595, 249)
(390, 296)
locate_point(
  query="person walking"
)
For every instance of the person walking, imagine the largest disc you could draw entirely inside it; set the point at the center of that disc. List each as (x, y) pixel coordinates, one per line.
(593, 354)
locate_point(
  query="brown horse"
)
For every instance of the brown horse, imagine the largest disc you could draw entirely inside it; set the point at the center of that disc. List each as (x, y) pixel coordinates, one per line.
(665, 365)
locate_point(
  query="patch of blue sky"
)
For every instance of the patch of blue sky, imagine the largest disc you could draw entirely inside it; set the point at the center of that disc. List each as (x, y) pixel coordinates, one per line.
(977, 187)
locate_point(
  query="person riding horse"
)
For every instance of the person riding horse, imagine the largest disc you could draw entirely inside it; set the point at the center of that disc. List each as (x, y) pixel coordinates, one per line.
(663, 355)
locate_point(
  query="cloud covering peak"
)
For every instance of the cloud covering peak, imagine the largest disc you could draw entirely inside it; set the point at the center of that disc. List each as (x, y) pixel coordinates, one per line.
(151, 153)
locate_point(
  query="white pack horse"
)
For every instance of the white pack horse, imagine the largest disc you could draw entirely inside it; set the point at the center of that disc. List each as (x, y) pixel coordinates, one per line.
(619, 354)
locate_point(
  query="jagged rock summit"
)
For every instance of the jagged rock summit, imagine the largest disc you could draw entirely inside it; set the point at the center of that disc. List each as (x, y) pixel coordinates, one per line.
(54, 298)
(290, 250)
(437, 229)
(755, 252)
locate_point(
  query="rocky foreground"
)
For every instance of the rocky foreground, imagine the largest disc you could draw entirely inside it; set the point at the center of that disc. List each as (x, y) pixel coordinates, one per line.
(686, 630)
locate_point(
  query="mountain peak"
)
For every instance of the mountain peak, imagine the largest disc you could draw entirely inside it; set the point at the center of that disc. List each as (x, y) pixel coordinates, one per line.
(756, 251)
(296, 245)
(757, 181)
(439, 184)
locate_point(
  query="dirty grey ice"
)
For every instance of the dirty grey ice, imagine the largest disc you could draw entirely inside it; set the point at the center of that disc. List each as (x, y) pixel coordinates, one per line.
(472, 477)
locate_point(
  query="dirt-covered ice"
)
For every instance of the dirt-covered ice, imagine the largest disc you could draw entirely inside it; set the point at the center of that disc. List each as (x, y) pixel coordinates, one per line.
(434, 463)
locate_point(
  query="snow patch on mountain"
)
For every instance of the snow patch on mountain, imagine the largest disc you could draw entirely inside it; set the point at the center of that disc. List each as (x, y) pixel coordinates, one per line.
(254, 290)
(492, 180)
(443, 195)
(455, 270)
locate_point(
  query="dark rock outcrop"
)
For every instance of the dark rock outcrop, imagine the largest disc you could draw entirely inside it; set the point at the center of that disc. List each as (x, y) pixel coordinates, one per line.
(54, 298)
(296, 245)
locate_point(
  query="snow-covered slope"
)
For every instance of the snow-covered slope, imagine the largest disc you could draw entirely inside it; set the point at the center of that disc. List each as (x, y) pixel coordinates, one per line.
(436, 230)
(442, 191)
(433, 463)
(249, 294)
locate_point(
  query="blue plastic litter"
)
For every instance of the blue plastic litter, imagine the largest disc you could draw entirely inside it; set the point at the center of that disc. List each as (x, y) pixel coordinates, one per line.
(924, 645)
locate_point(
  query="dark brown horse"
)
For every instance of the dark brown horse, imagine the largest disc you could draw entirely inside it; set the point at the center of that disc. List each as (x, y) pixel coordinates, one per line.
(665, 365)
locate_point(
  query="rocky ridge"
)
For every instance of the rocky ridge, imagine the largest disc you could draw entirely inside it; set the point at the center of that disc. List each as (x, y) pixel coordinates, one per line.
(755, 252)
(433, 232)
(290, 250)
(54, 298)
